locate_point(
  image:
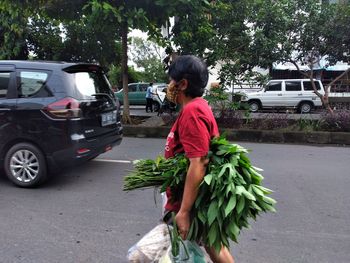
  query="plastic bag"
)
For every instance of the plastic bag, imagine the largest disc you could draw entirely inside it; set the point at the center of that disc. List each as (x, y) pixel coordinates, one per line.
(189, 252)
(151, 247)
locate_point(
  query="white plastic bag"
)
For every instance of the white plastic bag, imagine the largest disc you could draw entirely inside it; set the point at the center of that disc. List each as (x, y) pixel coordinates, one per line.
(151, 247)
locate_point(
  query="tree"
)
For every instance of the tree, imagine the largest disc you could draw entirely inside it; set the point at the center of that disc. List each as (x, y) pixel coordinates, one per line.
(69, 31)
(115, 76)
(148, 16)
(145, 15)
(309, 32)
(148, 55)
(13, 28)
(218, 33)
(243, 35)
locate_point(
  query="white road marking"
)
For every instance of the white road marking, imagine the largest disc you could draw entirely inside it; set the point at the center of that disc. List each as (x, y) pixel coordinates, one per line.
(112, 161)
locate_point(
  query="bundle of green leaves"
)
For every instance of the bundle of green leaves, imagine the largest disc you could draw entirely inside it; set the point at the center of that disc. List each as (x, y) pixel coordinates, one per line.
(230, 194)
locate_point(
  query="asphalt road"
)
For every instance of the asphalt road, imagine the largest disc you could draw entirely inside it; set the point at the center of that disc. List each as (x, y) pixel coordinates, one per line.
(82, 215)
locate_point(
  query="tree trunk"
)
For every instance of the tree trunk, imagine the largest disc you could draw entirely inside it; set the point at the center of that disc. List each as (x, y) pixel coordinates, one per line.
(325, 99)
(124, 58)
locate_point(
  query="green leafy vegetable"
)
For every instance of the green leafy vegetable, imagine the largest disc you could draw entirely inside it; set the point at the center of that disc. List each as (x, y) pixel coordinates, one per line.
(230, 194)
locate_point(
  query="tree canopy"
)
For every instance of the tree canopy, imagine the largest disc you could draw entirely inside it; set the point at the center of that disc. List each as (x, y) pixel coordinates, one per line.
(238, 35)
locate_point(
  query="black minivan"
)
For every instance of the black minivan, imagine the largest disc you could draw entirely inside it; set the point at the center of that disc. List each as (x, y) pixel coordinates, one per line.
(52, 115)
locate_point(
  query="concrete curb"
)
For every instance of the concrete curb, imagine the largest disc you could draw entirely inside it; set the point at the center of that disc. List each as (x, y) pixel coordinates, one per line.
(342, 138)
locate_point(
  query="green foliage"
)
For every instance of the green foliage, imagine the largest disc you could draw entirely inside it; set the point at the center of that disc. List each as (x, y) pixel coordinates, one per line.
(147, 55)
(228, 197)
(44, 38)
(115, 76)
(13, 29)
(223, 105)
(339, 121)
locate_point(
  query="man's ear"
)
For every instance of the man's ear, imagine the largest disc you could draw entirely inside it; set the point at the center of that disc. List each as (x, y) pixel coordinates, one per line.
(183, 84)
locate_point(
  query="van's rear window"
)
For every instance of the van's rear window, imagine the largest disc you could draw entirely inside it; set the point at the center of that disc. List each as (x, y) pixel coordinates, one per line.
(308, 85)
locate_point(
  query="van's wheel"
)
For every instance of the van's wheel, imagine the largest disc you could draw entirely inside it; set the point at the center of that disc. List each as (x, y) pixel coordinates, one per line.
(25, 165)
(305, 107)
(156, 106)
(254, 106)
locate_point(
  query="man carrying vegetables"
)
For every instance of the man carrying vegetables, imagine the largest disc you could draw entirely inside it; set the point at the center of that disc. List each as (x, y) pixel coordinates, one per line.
(191, 134)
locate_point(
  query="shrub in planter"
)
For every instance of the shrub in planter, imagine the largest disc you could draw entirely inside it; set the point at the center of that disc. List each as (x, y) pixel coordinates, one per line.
(231, 119)
(339, 121)
(270, 122)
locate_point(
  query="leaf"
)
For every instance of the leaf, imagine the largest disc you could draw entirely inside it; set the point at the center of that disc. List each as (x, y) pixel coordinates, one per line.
(256, 174)
(246, 173)
(230, 205)
(269, 200)
(221, 152)
(223, 169)
(208, 178)
(233, 230)
(255, 206)
(212, 234)
(264, 189)
(240, 205)
(221, 200)
(212, 212)
(239, 190)
(257, 169)
(257, 190)
(201, 216)
(234, 160)
(249, 195)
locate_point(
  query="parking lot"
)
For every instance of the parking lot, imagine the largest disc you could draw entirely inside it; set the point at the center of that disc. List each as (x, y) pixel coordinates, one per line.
(82, 214)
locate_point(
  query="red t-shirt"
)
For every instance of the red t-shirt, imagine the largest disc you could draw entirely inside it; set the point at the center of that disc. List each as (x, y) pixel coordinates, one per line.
(191, 134)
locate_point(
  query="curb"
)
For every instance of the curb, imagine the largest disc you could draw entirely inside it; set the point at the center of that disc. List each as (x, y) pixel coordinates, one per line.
(342, 138)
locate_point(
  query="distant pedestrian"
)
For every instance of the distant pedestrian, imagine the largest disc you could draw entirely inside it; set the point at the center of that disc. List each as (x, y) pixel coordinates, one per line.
(149, 100)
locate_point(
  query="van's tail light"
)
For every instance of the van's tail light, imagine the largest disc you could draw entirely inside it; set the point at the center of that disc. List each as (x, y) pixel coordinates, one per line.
(66, 108)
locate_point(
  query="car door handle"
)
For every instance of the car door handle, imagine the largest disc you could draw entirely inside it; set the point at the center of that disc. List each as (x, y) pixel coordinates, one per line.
(279, 94)
(300, 94)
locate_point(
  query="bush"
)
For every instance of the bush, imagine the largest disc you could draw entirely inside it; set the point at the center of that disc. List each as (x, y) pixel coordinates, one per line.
(231, 119)
(339, 121)
(310, 125)
(271, 121)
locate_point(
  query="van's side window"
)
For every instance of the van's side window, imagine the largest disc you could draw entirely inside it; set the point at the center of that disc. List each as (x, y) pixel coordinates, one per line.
(293, 86)
(132, 88)
(32, 84)
(4, 83)
(308, 85)
(143, 87)
(274, 86)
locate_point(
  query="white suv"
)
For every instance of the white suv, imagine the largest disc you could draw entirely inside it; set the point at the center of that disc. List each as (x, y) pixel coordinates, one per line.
(286, 93)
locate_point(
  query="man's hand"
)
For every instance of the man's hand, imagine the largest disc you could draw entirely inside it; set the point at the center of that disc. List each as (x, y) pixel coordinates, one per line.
(183, 223)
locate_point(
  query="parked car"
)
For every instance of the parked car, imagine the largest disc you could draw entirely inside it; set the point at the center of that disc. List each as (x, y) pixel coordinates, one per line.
(137, 94)
(54, 114)
(285, 93)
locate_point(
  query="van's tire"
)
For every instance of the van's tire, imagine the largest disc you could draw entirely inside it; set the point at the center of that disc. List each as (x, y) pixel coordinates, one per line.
(305, 107)
(25, 165)
(254, 105)
(156, 106)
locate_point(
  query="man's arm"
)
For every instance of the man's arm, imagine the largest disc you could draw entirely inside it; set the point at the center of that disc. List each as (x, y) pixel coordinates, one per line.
(194, 177)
